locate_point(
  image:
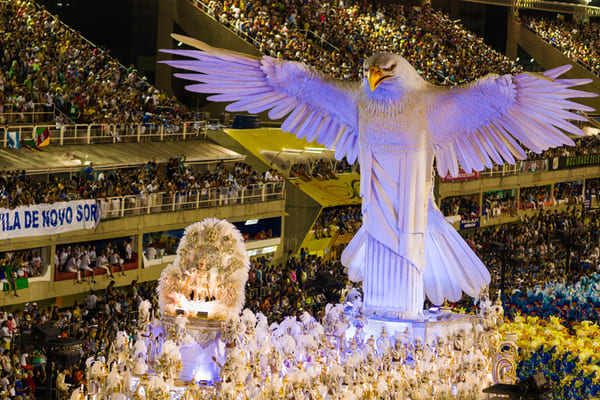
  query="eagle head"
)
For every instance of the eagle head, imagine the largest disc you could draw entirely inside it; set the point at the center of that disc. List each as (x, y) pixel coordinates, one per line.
(391, 73)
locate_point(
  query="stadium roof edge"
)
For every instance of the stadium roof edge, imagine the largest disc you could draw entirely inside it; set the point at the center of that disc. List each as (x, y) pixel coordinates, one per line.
(67, 158)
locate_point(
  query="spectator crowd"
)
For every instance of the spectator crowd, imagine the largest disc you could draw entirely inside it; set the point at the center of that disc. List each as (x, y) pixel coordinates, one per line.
(320, 170)
(466, 207)
(578, 41)
(335, 37)
(505, 202)
(550, 246)
(43, 61)
(20, 265)
(344, 219)
(87, 258)
(17, 188)
(304, 283)
(586, 145)
(498, 203)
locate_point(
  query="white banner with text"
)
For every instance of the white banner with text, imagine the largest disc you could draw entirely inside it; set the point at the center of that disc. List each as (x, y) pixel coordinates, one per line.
(48, 219)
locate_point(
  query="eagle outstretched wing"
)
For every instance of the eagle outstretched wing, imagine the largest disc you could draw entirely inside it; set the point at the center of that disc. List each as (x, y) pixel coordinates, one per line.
(317, 107)
(482, 122)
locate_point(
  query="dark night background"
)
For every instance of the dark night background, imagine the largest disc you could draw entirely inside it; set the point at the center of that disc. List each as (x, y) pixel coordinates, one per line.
(127, 28)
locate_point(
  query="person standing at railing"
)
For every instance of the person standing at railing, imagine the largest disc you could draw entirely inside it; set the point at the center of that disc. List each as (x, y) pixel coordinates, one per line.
(89, 172)
(74, 110)
(150, 252)
(36, 264)
(127, 251)
(8, 275)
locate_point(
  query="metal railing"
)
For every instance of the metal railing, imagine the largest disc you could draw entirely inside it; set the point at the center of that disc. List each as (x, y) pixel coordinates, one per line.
(501, 170)
(111, 133)
(23, 114)
(123, 206)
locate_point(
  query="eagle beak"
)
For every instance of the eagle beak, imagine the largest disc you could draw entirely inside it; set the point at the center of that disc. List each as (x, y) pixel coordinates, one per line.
(375, 77)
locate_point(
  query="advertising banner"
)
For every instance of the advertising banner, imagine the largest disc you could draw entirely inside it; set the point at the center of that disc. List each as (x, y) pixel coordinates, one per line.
(462, 176)
(533, 166)
(579, 161)
(469, 223)
(48, 219)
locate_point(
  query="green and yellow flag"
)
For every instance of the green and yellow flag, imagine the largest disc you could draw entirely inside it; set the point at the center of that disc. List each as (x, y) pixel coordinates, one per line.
(42, 136)
(30, 144)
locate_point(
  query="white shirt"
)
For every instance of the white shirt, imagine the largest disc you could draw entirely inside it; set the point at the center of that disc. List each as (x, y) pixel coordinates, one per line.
(91, 300)
(150, 253)
(63, 256)
(114, 259)
(101, 260)
(85, 262)
(72, 265)
(5, 333)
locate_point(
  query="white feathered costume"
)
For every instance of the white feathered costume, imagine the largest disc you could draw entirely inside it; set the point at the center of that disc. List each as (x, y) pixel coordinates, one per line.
(396, 124)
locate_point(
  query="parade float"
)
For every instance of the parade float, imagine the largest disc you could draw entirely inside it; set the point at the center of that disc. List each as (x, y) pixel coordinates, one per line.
(200, 344)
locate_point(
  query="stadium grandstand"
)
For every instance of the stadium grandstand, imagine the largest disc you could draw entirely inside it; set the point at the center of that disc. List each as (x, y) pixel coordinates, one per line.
(101, 171)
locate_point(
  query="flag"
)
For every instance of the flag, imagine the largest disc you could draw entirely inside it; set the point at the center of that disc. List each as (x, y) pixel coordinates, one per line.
(30, 144)
(13, 140)
(42, 136)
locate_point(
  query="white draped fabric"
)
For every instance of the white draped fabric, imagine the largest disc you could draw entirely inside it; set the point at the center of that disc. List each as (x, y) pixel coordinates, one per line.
(392, 285)
(398, 172)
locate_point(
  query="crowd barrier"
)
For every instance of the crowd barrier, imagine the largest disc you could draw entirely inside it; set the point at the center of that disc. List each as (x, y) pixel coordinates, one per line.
(13, 113)
(111, 133)
(122, 206)
(533, 166)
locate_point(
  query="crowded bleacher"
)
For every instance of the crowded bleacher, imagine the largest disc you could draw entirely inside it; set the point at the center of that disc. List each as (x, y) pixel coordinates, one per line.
(43, 61)
(457, 205)
(538, 249)
(19, 189)
(335, 37)
(578, 41)
(341, 220)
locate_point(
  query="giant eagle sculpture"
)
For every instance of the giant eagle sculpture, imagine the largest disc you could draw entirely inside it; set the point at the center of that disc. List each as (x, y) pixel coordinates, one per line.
(396, 124)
